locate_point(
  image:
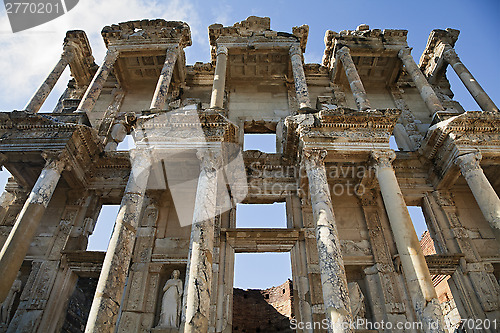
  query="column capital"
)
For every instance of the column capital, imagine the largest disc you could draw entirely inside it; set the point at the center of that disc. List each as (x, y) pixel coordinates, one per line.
(469, 162)
(210, 159)
(383, 158)
(450, 55)
(315, 156)
(222, 49)
(295, 50)
(56, 160)
(344, 51)
(405, 52)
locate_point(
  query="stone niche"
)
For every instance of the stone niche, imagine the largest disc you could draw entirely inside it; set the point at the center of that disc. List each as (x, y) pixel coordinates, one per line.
(165, 274)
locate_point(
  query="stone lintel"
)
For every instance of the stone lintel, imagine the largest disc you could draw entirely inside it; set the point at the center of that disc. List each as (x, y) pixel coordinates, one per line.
(143, 32)
(369, 42)
(255, 32)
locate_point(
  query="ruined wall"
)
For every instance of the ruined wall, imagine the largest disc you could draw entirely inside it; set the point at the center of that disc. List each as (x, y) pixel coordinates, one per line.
(268, 310)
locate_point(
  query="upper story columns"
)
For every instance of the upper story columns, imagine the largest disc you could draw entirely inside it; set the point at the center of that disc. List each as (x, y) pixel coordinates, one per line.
(160, 95)
(357, 88)
(299, 78)
(44, 90)
(425, 89)
(94, 90)
(475, 89)
(219, 85)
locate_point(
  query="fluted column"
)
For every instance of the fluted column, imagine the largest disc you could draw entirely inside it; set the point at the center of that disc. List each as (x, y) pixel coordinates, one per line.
(485, 195)
(46, 87)
(357, 88)
(416, 272)
(17, 244)
(198, 285)
(94, 90)
(219, 84)
(425, 89)
(475, 89)
(299, 78)
(106, 304)
(331, 263)
(161, 91)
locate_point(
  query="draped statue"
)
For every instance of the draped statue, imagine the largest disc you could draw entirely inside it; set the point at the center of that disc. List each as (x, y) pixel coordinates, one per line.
(171, 302)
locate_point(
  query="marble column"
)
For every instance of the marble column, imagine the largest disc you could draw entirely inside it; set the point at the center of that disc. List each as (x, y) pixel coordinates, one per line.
(355, 83)
(199, 269)
(485, 195)
(416, 272)
(161, 91)
(106, 304)
(425, 89)
(94, 90)
(331, 263)
(218, 88)
(17, 244)
(299, 78)
(44, 90)
(475, 89)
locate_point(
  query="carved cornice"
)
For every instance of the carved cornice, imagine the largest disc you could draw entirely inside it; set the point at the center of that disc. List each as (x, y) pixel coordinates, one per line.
(147, 32)
(431, 60)
(82, 64)
(471, 130)
(184, 126)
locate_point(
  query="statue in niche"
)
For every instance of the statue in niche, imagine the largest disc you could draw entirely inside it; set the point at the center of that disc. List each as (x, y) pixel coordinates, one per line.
(171, 302)
(6, 309)
(358, 308)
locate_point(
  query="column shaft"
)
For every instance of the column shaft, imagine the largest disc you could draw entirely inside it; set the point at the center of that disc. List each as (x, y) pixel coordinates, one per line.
(331, 263)
(485, 195)
(475, 89)
(299, 78)
(219, 85)
(161, 91)
(46, 87)
(199, 270)
(416, 272)
(108, 295)
(17, 244)
(94, 90)
(425, 89)
(357, 88)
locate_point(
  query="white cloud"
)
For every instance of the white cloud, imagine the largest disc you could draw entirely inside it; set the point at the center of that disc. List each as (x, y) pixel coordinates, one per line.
(27, 57)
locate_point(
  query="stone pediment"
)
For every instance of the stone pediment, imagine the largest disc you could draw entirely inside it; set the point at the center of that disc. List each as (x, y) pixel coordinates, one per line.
(147, 32)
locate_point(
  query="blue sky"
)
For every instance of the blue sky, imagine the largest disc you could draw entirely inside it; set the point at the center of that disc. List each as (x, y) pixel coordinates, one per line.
(26, 57)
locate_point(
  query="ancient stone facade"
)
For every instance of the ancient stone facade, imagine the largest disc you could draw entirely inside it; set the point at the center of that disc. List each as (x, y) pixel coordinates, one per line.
(355, 256)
